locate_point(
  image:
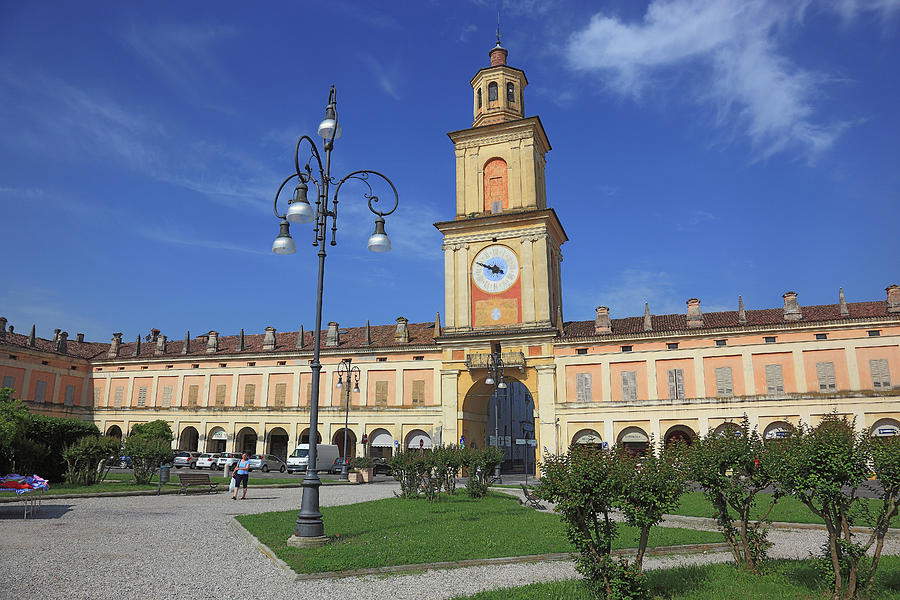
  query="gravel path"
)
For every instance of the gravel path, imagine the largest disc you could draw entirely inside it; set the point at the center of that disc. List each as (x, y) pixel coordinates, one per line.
(177, 547)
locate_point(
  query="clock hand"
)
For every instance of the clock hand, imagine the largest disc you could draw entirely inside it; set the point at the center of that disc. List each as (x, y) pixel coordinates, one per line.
(494, 268)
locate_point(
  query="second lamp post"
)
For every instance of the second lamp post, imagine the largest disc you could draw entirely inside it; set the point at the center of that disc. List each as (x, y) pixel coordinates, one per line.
(352, 374)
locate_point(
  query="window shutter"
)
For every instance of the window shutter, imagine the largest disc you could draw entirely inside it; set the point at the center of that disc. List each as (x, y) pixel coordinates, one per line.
(629, 386)
(418, 391)
(39, 391)
(825, 375)
(167, 396)
(881, 375)
(774, 379)
(280, 394)
(142, 396)
(70, 395)
(308, 393)
(98, 395)
(119, 396)
(249, 394)
(724, 381)
(381, 393)
(9, 381)
(673, 389)
(194, 394)
(583, 384)
(679, 383)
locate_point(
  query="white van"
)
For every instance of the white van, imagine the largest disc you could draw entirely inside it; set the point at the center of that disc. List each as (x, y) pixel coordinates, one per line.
(326, 454)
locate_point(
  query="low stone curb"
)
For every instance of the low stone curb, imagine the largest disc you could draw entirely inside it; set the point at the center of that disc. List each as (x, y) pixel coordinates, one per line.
(162, 492)
(689, 520)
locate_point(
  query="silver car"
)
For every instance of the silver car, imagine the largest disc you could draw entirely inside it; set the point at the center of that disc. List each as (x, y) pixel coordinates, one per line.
(185, 459)
(266, 463)
(227, 459)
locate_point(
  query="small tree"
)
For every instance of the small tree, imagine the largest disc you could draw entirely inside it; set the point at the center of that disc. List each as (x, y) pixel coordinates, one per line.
(824, 467)
(732, 469)
(85, 458)
(650, 488)
(149, 446)
(481, 464)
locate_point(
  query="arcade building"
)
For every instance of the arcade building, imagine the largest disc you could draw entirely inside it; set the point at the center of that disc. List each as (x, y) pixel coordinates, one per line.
(634, 381)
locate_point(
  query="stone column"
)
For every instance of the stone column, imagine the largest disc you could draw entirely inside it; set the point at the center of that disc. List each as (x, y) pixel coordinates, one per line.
(449, 281)
(799, 372)
(606, 382)
(652, 388)
(853, 366)
(699, 378)
(546, 402)
(527, 274)
(749, 375)
(449, 402)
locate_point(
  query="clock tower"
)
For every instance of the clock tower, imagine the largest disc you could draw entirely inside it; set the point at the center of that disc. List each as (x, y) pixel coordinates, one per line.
(502, 251)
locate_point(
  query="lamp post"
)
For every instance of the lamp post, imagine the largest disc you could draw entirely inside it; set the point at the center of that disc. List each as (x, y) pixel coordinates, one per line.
(345, 368)
(310, 530)
(495, 377)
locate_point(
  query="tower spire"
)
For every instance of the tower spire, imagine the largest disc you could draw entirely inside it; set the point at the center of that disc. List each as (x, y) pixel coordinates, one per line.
(498, 25)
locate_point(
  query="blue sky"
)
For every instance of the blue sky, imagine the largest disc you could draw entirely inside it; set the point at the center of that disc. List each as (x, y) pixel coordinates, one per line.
(702, 148)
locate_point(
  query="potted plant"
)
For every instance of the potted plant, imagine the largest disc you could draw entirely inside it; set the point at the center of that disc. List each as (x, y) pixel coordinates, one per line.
(363, 469)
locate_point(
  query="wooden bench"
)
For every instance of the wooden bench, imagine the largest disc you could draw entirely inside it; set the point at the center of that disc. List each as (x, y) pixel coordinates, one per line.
(189, 480)
(531, 500)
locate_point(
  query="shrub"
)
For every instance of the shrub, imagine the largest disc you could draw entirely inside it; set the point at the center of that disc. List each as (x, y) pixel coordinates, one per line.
(149, 446)
(481, 464)
(85, 458)
(409, 469)
(732, 468)
(361, 462)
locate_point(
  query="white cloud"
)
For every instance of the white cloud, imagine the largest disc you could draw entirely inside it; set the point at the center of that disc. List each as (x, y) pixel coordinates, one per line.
(385, 77)
(695, 219)
(731, 55)
(172, 237)
(625, 295)
(850, 9)
(466, 34)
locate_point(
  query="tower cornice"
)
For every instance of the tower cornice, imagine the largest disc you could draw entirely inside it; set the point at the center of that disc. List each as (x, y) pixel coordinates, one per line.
(483, 135)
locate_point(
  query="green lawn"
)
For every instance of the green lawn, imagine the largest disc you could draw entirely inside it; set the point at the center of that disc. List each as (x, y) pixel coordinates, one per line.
(781, 580)
(394, 531)
(788, 510)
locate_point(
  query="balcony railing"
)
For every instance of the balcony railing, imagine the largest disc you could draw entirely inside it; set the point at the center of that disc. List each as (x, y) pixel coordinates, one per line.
(480, 361)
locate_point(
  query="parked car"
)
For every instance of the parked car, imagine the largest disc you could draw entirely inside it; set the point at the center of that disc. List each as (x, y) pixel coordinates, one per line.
(266, 463)
(227, 459)
(185, 459)
(208, 461)
(381, 466)
(338, 465)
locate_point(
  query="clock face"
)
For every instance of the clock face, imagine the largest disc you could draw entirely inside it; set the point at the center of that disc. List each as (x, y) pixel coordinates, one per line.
(495, 269)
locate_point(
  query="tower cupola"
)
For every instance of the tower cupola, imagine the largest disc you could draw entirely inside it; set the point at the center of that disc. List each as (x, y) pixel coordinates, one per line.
(498, 90)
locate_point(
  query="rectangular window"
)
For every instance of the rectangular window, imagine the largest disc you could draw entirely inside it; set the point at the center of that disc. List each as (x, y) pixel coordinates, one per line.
(381, 393)
(676, 384)
(774, 380)
(580, 350)
(144, 367)
(195, 366)
(98, 396)
(249, 394)
(280, 394)
(40, 390)
(308, 393)
(194, 395)
(881, 376)
(627, 348)
(223, 365)
(874, 333)
(381, 359)
(724, 382)
(281, 363)
(169, 366)
(583, 383)
(13, 357)
(9, 381)
(721, 342)
(769, 339)
(418, 391)
(251, 364)
(142, 396)
(70, 395)
(821, 336)
(418, 358)
(672, 346)
(167, 395)
(629, 386)
(119, 396)
(825, 376)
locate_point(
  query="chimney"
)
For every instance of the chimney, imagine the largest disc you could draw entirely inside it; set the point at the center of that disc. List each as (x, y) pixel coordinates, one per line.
(437, 326)
(160, 344)
(269, 339)
(79, 337)
(401, 335)
(62, 342)
(791, 307)
(56, 335)
(32, 339)
(368, 340)
(113, 346)
(694, 314)
(893, 298)
(241, 344)
(3, 323)
(742, 314)
(648, 318)
(842, 301)
(137, 346)
(212, 343)
(333, 337)
(154, 335)
(186, 346)
(12, 329)
(498, 55)
(300, 337)
(602, 324)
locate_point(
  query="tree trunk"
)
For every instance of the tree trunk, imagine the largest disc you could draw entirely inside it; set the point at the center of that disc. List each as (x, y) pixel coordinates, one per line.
(642, 547)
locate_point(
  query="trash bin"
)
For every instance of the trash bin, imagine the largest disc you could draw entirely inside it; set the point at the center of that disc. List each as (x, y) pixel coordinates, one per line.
(164, 474)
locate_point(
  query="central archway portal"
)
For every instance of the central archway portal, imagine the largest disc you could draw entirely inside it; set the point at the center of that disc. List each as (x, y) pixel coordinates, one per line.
(502, 418)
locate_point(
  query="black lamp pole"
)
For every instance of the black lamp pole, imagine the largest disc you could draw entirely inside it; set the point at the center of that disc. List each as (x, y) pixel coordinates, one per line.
(310, 530)
(352, 372)
(495, 377)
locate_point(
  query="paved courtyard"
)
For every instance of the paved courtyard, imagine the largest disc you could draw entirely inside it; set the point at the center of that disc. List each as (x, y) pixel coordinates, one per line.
(177, 547)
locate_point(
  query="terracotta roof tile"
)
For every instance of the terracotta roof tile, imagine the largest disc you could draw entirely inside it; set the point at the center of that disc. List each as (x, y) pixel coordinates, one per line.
(73, 348)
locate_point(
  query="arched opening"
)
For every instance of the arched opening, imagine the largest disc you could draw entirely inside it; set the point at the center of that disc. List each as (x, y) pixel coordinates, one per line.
(496, 185)
(778, 430)
(634, 440)
(492, 94)
(728, 428)
(215, 440)
(278, 443)
(502, 418)
(381, 444)
(338, 440)
(510, 93)
(480, 103)
(188, 439)
(417, 440)
(679, 434)
(114, 431)
(246, 440)
(587, 438)
(304, 436)
(885, 428)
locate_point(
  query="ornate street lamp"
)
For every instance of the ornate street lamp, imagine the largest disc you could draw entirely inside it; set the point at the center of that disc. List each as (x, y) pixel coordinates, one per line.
(495, 377)
(352, 372)
(310, 531)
